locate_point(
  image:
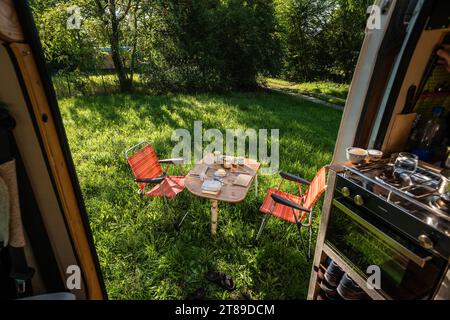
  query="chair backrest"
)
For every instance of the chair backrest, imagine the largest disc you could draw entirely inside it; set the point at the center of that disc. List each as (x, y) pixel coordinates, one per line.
(145, 164)
(316, 188)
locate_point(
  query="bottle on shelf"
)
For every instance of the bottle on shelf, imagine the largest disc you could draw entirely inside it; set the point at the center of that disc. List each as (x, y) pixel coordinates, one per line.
(428, 136)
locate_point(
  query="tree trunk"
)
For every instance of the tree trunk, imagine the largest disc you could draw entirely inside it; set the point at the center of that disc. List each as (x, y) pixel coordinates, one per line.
(124, 81)
(133, 52)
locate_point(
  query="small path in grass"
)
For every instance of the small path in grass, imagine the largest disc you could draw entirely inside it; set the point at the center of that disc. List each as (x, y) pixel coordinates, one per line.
(309, 98)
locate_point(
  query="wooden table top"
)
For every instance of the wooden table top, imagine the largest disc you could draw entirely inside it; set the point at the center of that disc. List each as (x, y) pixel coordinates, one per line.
(229, 192)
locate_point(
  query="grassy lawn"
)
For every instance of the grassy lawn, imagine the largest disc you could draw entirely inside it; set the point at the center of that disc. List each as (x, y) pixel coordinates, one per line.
(328, 91)
(141, 255)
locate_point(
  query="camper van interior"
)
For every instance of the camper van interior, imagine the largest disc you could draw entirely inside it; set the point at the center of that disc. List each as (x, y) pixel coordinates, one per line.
(47, 233)
(397, 206)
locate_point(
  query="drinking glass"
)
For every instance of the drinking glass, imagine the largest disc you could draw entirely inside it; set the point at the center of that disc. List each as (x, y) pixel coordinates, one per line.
(406, 163)
(240, 161)
(217, 157)
(228, 162)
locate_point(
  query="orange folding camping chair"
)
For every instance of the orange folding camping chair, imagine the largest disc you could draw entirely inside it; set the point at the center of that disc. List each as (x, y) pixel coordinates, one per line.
(148, 171)
(292, 208)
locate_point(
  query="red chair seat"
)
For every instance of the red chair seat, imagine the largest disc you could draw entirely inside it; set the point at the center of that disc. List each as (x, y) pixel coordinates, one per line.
(169, 188)
(280, 210)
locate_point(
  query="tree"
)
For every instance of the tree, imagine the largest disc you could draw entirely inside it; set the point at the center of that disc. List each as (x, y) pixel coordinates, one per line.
(321, 39)
(194, 45)
(303, 24)
(114, 14)
(63, 48)
(345, 36)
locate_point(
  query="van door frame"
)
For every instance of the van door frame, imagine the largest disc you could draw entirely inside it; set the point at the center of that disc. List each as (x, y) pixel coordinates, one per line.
(68, 189)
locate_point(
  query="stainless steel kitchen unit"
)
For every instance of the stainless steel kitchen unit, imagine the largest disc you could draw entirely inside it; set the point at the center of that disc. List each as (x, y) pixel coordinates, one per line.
(369, 221)
(376, 220)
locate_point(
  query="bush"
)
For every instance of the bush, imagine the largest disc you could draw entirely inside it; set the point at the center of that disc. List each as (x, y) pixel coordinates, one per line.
(204, 45)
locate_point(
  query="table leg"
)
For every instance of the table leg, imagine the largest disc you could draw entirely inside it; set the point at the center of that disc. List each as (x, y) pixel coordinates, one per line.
(256, 185)
(214, 216)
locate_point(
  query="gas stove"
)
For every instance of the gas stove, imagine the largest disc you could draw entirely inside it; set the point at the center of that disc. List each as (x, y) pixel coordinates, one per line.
(410, 203)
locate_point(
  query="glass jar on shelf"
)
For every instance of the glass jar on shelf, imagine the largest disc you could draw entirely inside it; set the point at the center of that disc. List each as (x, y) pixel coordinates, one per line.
(428, 135)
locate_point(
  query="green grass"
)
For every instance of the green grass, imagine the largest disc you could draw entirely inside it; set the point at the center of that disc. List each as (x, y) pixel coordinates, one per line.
(141, 255)
(328, 91)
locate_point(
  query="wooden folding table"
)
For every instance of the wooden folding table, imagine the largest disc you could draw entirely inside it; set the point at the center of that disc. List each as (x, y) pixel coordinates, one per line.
(229, 193)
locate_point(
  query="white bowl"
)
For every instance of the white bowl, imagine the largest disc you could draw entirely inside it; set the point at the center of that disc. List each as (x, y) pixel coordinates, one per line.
(220, 173)
(375, 155)
(356, 155)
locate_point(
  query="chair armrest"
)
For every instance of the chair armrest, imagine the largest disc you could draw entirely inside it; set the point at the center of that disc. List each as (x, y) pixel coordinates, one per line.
(288, 203)
(172, 161)
(154, 180)
(294, 178)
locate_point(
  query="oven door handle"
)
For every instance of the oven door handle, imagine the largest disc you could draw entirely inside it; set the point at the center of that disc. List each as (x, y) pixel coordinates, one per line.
(421, 262)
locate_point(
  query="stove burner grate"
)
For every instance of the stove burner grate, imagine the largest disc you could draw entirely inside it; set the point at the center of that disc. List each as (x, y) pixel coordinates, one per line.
(438, 203)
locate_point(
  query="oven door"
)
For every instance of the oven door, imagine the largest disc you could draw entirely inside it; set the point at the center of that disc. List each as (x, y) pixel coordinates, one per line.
(359, 238)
